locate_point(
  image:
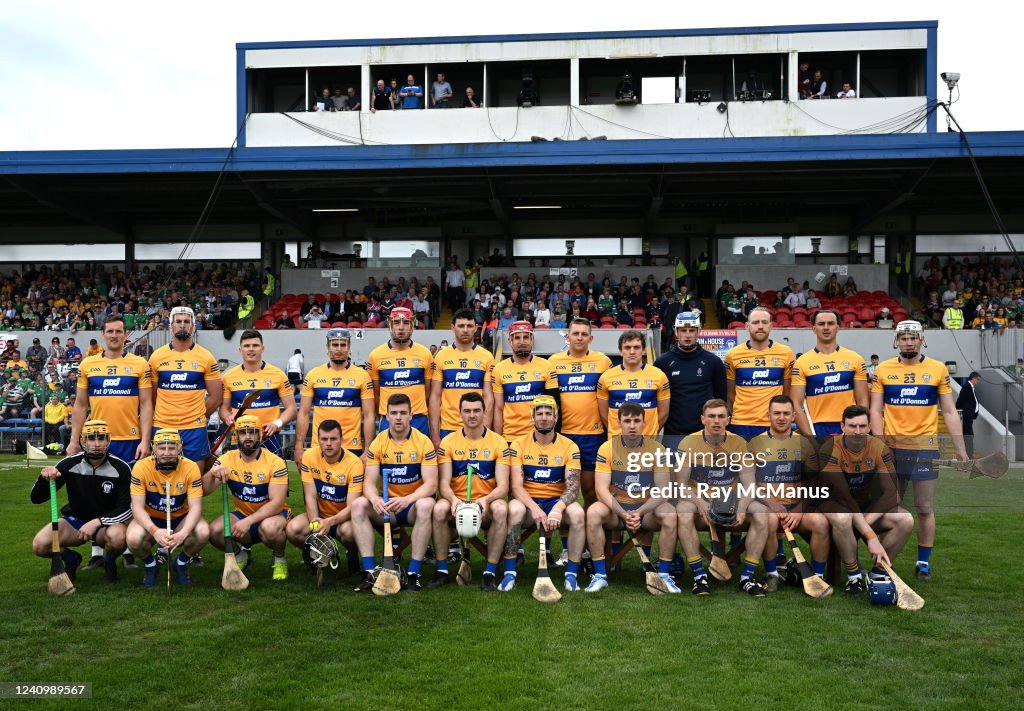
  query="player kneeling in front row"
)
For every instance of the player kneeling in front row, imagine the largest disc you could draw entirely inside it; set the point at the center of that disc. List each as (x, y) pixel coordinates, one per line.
(152, 477)
(258, 482)
(473, 467)
(859, 471)
(545, 469)
(404, 460)
(719, 460)
(625, 497)
(99, 501)
(788, 462)
(332, 478)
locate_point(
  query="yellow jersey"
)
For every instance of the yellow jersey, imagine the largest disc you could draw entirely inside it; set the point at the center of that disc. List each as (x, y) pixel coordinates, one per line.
(148, 481)
(339, 395)
(250, 482)
(759, 376)
(401, 462)
(457, 372)
(394, 371)
(861, 470)
(627, 487)
(828, 381)
(180, 379)
(336, 484)
(269, 380)
(577, 388)
(518, 385)
(911, 401)
(714, 464)
(646, 387)
(483, 455)
(789, 462)
(113, 385)
(544, 466)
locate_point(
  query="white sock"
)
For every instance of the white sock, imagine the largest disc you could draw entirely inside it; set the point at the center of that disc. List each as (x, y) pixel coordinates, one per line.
(280, 559)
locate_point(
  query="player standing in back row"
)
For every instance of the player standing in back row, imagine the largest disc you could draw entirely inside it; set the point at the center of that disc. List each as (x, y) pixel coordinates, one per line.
(188, 389)
(517, 381)
(459, 369)
(401, 367)
(756, 371)
(828, 378)
(904, 401)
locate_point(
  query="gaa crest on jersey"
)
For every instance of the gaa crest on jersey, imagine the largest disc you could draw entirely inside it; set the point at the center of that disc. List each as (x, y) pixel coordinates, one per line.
(846, 364)
(650, 383)
(926, 377)
(128, 371)
(195, 365)
(775, 361)
(180, 486)
(416, 362)
(413, 457)
(592, 368)
(267, 382)
(536, 374)
(261, 476)
(558, 461)
(487, 454)
(351, 382)
(477, 363)
(869, 463)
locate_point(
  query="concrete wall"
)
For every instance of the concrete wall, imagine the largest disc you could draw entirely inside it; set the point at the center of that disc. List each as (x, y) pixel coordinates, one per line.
(869, 277)
(502, 124)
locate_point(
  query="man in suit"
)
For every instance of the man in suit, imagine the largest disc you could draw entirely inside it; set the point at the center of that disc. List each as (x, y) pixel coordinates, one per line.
(967, 403)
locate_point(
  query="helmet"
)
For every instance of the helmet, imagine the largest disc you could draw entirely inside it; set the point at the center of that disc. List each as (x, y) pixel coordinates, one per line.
(95, 427)
(335, 333)
(543, 401)
(881, 589)
(320, 551)
(519, 326)
(723, 511)
(401, 313)
(183, 310)
(165, 435)
(467, 519)
(247, 422)
(909, 326)
(687, 319)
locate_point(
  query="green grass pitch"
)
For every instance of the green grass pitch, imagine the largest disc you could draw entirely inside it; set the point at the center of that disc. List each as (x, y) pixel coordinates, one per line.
(288, 645)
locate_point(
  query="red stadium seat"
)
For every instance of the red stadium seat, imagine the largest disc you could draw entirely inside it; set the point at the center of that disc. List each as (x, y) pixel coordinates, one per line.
(856, 324)
(896, 318)
(736, 324)
(625, 326)
(866, 314)
(607, 325)
(542, 325)
(355, 324)
(869, 324)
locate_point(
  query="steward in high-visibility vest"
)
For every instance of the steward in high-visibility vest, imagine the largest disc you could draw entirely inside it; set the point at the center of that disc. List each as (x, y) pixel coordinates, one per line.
(269, 282)
(247, 305)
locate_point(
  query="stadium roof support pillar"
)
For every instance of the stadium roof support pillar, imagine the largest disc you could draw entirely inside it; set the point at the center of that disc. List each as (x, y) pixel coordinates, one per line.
(129, 252)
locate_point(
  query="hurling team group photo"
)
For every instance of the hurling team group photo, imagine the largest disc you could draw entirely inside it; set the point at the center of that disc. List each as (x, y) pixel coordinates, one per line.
(758, 474)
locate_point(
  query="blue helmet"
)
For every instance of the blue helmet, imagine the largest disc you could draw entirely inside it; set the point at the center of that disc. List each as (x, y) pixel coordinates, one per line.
(881, 589)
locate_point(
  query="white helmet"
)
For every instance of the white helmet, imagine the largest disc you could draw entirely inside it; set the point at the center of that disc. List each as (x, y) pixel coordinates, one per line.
(183, 310)
(687, 319)
(467, 519)
(909, 326)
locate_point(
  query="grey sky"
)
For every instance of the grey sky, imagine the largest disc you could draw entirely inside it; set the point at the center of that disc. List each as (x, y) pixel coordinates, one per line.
(139, 75)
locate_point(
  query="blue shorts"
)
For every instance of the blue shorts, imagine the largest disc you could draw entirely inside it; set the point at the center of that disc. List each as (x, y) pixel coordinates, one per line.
(588, 444)
(916, 464)
(827, 429)
(748, 432)
(124, 449)
(77, 523)
(254, 530)
(357, 452)
(547, 504)
(445, 433)
(402, 517)
(418, 422)
(195, 443)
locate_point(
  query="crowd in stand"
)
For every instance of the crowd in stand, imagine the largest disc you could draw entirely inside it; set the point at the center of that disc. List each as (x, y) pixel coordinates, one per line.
(65, 299)
(986, 294)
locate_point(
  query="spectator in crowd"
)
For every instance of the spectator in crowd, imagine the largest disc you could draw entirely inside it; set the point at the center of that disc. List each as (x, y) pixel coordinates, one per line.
(1000, 318)
(507, 319)
(340, 100)
(411, 94)
(421, 307)
(73, 354)
(542, 316)
(953, 317)
(434, 295)
(796, 297)
(933, 307)
(846, 92)
(53, 417)
(850, 287)
(470, 101)
(354, 103)
(1018, 370)
(36, 356)
(804, 79)
(988, 323)
(316, 316)
(818, 88)
(383, 99)
(396, 99)
(94, 348)
(324, 102)
(872, 367)
(813, 302)
(833, 288)
(558, 319)
(440, 92)
(884, 319)
(455, 282)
